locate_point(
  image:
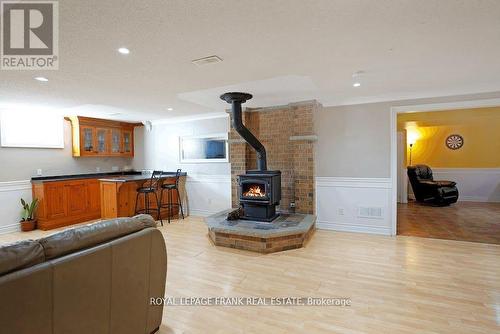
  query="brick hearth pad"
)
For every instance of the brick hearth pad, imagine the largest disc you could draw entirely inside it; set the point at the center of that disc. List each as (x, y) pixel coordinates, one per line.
(288, 231)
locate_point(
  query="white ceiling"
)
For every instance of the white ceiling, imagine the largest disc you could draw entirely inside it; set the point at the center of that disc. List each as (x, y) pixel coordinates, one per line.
(280, 51)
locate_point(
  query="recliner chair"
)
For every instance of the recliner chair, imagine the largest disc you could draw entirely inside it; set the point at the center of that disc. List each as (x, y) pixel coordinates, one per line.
(427, 190)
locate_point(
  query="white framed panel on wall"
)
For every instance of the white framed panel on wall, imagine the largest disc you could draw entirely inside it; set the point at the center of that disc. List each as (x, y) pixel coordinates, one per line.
(204, 148)
(31, 129)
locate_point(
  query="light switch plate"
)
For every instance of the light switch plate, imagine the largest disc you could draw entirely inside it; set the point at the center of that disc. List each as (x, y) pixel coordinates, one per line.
(39, 172)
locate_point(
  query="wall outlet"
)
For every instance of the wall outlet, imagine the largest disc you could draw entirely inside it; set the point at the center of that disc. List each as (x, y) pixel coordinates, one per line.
(340, 211)
(39, 172)
(115, 168)
(98, 169)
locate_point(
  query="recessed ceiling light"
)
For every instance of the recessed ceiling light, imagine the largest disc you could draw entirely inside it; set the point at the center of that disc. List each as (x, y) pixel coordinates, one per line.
(356, 84)
(41, 79)
(170, 109)
(124, 51)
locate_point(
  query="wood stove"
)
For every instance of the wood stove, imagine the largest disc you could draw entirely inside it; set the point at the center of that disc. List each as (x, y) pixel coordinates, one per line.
(259, 190)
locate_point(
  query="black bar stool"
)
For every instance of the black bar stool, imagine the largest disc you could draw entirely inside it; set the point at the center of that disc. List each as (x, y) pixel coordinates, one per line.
(170, 188)
(149, 188)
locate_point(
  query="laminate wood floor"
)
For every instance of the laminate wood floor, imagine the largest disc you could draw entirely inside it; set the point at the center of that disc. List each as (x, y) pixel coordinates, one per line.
(464, 221)
(396, 284)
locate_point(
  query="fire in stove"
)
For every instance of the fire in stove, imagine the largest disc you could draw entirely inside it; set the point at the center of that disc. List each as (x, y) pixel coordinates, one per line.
(254, 191)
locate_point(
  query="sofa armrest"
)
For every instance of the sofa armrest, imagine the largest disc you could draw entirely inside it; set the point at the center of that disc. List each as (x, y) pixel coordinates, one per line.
(429, 184)
(443, 183)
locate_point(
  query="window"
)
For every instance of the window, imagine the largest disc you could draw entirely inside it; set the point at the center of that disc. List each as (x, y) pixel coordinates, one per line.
(207, 148)
(31, 129)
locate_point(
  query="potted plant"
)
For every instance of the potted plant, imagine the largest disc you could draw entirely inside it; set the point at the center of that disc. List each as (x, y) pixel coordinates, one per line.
(28, 223)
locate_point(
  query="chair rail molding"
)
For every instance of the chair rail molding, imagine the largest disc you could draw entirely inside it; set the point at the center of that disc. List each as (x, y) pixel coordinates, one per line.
(10, 194)
(354, 204)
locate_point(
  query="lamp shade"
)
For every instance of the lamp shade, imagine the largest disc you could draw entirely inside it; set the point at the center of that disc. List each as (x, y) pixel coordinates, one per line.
(412, 138)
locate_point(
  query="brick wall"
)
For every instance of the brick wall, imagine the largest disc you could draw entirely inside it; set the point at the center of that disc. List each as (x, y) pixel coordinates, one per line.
(280, 129)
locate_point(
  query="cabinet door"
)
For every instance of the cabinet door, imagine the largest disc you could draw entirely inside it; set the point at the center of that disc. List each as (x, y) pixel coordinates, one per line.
(94, 196)
(116, 141)
(87, 140)
(102, 141)
(55, 197)
(128, 143)
(76, 193)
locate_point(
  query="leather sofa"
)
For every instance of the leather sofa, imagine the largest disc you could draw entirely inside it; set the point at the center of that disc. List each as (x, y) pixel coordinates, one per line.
(427, 190)
(96, 278)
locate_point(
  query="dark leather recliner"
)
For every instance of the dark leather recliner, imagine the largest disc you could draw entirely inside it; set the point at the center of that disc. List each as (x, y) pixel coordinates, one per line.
(427, 190)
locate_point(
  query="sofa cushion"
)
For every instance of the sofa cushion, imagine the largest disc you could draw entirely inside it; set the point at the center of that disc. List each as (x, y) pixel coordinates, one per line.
(20, 255)
(90, 235)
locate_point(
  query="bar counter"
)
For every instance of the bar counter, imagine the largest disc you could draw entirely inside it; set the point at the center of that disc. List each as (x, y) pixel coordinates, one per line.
(118, 195)
(76, 198)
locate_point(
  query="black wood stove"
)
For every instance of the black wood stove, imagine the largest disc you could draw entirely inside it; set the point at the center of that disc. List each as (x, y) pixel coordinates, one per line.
(259, 190)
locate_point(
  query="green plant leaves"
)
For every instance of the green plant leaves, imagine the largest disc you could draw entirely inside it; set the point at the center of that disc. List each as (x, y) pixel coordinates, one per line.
(28, 212)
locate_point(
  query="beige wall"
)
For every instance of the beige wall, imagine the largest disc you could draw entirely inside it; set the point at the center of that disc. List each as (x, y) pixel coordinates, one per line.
(355, 141)
(18, 164)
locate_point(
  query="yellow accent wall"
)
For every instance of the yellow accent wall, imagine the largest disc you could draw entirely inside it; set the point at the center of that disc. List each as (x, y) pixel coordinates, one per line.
(480, 129)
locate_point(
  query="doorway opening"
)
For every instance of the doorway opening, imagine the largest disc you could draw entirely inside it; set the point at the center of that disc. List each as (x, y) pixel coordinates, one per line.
(447, 173)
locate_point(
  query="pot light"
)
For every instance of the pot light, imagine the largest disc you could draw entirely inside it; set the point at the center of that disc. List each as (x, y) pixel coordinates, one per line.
(356, 84)
(170, 109)
(124, 51)
(41, 79)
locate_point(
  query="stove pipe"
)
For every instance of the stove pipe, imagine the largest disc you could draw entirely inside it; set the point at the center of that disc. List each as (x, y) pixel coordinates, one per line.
(236, 99)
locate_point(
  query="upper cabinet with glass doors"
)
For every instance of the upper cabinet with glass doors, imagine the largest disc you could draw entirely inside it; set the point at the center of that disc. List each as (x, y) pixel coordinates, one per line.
(93, 137)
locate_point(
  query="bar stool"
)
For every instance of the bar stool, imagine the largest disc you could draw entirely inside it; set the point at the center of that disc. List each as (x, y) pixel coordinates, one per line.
(149, 188)
(170, 187)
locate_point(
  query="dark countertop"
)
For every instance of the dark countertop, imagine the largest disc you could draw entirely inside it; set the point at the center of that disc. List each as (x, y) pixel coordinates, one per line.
(40, 179)
(132, 178)
(110, 176)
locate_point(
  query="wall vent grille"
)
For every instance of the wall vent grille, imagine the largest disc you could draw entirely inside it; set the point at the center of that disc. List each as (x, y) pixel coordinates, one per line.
(370, 212)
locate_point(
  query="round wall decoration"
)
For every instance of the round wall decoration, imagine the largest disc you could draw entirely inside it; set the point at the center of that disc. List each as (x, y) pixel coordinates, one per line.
(454, 142)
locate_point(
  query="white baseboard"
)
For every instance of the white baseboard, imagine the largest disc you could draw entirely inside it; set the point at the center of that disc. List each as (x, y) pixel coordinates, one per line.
(474, 199)
(346, 227)
(10, 206)
(340, 201)
(10, 228)
(202, 213)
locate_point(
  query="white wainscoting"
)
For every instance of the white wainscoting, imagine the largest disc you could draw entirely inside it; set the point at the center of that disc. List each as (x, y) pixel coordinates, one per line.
(474, 184)
(339, 200)
(10, 205)
(208, 194)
